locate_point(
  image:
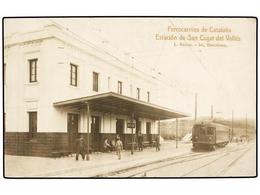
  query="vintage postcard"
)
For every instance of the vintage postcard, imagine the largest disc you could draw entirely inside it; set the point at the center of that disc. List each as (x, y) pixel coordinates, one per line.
(120, 97)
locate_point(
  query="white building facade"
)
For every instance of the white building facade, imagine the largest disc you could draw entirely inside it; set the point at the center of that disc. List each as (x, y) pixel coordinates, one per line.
(47, 73)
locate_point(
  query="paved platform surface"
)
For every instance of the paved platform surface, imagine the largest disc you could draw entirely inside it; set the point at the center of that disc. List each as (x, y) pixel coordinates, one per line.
(99, 163)
(102, 164)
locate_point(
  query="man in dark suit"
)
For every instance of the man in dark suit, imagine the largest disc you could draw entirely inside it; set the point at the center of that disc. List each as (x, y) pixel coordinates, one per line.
(80, 147)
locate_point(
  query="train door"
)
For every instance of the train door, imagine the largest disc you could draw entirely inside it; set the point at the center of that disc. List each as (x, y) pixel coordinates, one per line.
(95, 131)
(120, 126)
(72, 129)
(211, 135)
(202, 134)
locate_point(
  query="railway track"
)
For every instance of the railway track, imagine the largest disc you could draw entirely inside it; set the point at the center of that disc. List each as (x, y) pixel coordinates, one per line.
(217, 159)
(233, 162)
(143, 169)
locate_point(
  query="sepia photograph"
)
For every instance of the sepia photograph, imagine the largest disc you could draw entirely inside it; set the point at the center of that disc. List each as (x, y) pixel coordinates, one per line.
(129, 97)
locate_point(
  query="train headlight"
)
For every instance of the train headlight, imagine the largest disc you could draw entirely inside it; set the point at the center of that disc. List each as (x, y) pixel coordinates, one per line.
(196, 137)
(210, 138)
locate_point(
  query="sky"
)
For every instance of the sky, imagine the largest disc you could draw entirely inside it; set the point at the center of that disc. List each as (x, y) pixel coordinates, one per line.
(224, 77)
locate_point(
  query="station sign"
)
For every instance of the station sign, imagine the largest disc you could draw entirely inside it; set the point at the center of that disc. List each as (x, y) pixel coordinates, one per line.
(130, 125)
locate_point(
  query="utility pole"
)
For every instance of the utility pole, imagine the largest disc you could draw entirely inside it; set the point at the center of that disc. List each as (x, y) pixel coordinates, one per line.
(232, 126)
(195, 119)
(212, 112)
(176, 133)
(246, 127)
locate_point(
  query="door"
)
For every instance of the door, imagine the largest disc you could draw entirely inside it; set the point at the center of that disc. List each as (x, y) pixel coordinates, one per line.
(148, 132)
(72, 128)
(138, 127)
(120, 126)
(95, 131)
(32, 124)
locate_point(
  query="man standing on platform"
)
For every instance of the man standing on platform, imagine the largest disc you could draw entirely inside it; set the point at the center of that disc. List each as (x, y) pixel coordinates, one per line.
(80, 147)
(119, 147)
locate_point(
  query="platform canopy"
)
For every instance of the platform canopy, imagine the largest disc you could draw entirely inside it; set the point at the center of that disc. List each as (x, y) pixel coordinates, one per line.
(111, 102)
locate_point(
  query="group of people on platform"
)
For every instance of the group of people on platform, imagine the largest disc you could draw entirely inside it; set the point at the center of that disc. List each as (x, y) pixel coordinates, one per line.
(112, 145)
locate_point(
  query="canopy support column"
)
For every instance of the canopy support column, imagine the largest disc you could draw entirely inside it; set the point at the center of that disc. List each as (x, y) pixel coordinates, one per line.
(132, 146)
(159, 126)
(88, 113)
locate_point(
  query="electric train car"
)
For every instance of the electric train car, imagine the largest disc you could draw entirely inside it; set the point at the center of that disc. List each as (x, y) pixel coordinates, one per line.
(210, 135)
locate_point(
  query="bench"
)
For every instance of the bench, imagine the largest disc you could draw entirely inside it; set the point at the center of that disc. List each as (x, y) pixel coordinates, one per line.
(61, 153)
(149, 144)
(66, 153)
(130, 144)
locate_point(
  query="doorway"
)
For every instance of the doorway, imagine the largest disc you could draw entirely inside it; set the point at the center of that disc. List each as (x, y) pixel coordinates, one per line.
(95, 131)
(120, 126)
(72, 128)
(138, 127)
(148, 132)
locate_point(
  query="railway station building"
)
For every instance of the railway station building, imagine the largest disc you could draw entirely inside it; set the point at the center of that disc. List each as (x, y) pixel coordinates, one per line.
(58, 87)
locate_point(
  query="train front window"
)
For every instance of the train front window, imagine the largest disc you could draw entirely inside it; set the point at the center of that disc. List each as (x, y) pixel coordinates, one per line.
(210, 131)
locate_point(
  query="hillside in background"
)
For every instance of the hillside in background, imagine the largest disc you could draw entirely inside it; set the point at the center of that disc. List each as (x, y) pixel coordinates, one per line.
(168, 128)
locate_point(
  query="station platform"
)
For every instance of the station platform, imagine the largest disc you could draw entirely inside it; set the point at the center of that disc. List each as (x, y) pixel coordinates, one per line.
(98, 165)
